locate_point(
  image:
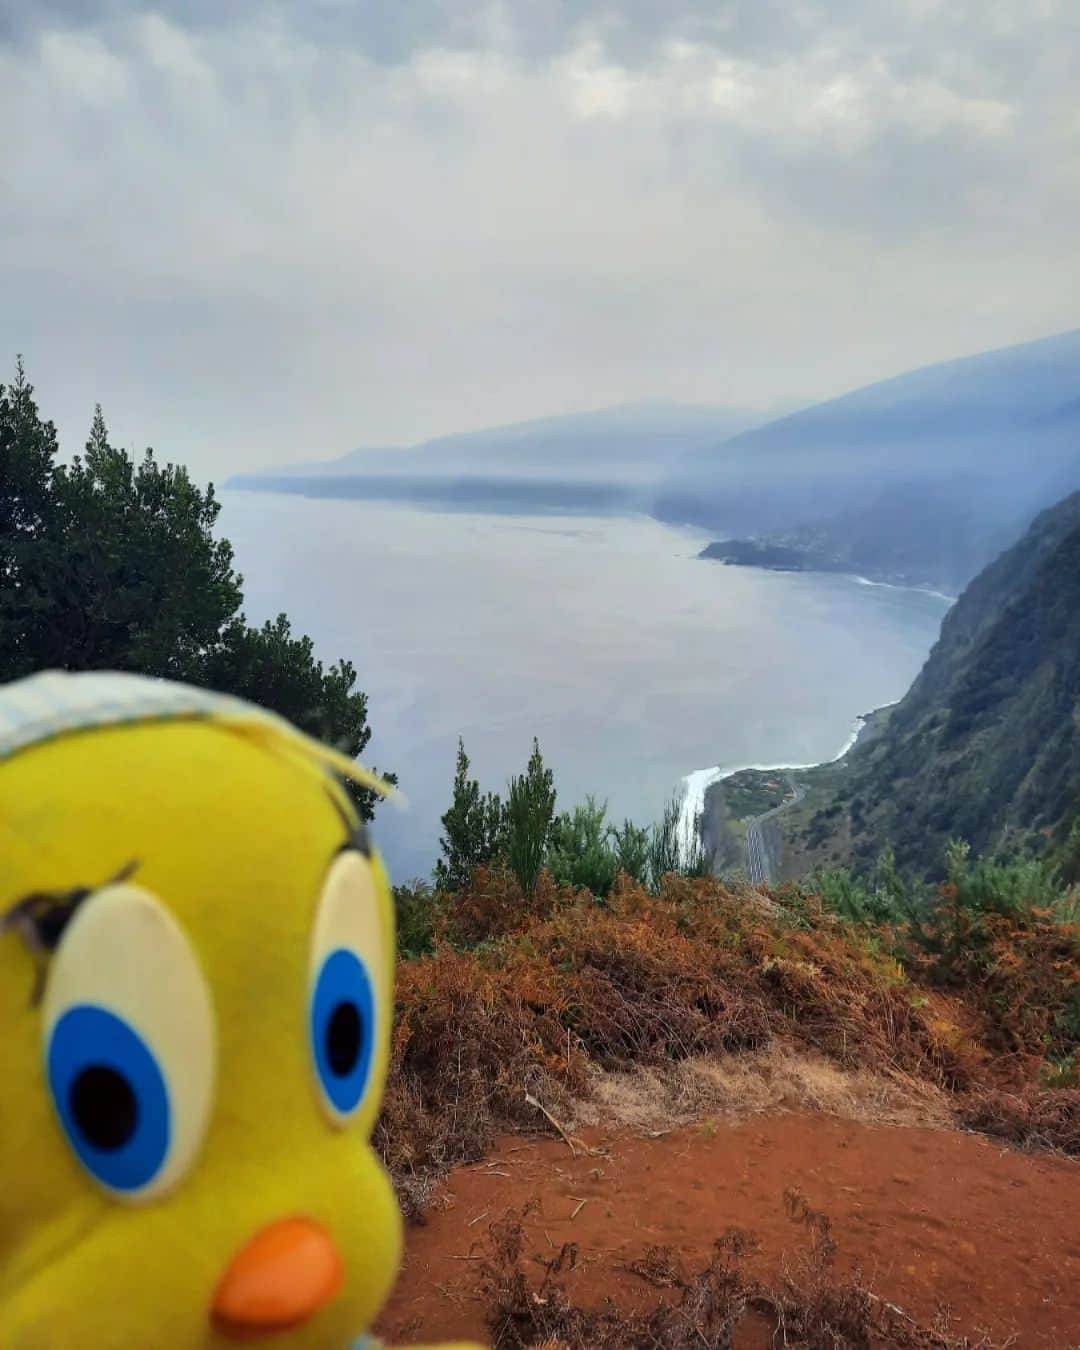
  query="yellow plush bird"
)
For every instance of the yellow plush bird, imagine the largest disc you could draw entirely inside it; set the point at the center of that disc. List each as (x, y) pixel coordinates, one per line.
(196, 965)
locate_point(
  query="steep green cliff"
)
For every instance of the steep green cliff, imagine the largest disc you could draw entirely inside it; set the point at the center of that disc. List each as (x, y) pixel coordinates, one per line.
(986, 744)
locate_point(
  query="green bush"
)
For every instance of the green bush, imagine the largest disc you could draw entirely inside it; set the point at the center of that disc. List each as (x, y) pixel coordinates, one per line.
(631, 845)
(580, 848)
(416, 909)
(1003, 932)
(987, 886)
(668, 855)
(1017, 888)
(580, 851)
(664, 854)
(883, 898)
(1068, 854)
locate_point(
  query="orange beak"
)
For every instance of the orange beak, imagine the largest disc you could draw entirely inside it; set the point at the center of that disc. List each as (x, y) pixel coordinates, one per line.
(279, 1279)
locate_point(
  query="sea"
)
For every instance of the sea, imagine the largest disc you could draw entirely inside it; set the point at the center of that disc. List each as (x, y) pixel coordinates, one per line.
(643, 671)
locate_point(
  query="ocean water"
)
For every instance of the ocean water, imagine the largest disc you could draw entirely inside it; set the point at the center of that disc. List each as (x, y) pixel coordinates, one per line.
(635, 664)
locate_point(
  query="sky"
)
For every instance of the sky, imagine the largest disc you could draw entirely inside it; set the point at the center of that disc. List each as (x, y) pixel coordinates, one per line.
(260, 233)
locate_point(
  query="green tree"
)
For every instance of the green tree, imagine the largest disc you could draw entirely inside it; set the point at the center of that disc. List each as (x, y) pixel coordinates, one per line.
(664, 853)
(27, 452)
(106, 563)
(631, 845)
(271, 667)
(530, 809)
(579, 849)
(1069, 856)
(472, 829)
(134, 576)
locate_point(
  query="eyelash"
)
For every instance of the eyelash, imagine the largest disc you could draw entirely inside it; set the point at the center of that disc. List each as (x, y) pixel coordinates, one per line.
(41, 918)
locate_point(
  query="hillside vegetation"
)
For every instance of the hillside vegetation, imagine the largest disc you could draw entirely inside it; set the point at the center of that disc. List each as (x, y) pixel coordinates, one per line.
(538, 991)
(655, 1004)
(986, 744)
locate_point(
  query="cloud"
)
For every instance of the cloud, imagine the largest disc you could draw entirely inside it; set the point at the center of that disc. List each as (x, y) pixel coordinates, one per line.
(262, 231)
(83, 65)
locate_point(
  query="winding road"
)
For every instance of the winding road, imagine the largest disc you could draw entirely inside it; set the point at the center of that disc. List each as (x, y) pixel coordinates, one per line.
(763, 840)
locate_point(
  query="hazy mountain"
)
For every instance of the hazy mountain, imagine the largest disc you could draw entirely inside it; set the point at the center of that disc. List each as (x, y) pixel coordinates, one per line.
(986, 743)
(923, 477)
(368, 454)
(601, 460)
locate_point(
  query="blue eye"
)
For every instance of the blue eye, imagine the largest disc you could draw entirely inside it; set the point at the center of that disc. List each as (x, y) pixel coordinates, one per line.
(129, 1044)
(342, 1027)
(110, 1095)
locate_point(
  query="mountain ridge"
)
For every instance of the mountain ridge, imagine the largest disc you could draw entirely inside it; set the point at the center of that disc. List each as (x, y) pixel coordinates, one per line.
(985, 745)
(636, 439)
(922, 477)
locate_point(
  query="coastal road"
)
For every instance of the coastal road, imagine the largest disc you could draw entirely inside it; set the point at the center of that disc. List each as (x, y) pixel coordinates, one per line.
(763, 839)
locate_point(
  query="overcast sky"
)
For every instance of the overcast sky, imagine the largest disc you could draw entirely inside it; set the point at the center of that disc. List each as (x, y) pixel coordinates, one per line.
(266, 232)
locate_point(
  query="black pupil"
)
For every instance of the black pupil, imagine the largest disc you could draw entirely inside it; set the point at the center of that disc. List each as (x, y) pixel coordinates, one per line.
(104, 1107)
(343, 1033)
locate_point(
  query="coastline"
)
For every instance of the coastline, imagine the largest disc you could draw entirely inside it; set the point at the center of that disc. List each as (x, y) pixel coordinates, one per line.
(887, 581)
(698, 783)
(901, 586)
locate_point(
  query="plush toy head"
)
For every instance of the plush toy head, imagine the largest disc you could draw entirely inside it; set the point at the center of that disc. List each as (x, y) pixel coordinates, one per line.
(196, 967)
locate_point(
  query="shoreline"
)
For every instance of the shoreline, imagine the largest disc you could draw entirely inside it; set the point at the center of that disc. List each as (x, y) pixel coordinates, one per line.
(901, 586)
(891, 582)
(697, 784)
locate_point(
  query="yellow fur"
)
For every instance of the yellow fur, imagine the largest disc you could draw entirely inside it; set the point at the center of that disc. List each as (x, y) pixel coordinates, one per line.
(234, 836)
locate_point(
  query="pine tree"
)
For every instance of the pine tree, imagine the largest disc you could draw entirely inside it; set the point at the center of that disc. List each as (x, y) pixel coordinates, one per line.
(112, 563)
(579, 850)
(530, 810)
(631, 848)
(27, 455)
(472, 829)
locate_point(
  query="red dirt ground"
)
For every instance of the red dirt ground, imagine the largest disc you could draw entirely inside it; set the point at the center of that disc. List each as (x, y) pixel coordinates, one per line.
(933, 1218)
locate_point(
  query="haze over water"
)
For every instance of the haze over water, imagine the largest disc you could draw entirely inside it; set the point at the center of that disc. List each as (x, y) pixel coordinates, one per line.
(632, 661)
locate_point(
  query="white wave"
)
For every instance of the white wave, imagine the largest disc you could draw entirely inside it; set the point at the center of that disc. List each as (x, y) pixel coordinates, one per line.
(893, 586)
(696, 783)
(692, 807)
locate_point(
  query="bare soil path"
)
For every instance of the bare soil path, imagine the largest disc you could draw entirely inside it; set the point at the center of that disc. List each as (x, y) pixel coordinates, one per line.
(932, 1218)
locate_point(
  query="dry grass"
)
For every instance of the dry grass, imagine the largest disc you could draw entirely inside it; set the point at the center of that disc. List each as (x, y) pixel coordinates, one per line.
(1019, 972)
(657, 1011)
(1035, 1118)
(469, 1043)
(777, 1078)
(810, 1308)
(643, 981)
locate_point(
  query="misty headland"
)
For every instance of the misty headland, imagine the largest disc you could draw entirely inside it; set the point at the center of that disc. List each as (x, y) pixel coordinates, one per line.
(918, 480)
(550, 578)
